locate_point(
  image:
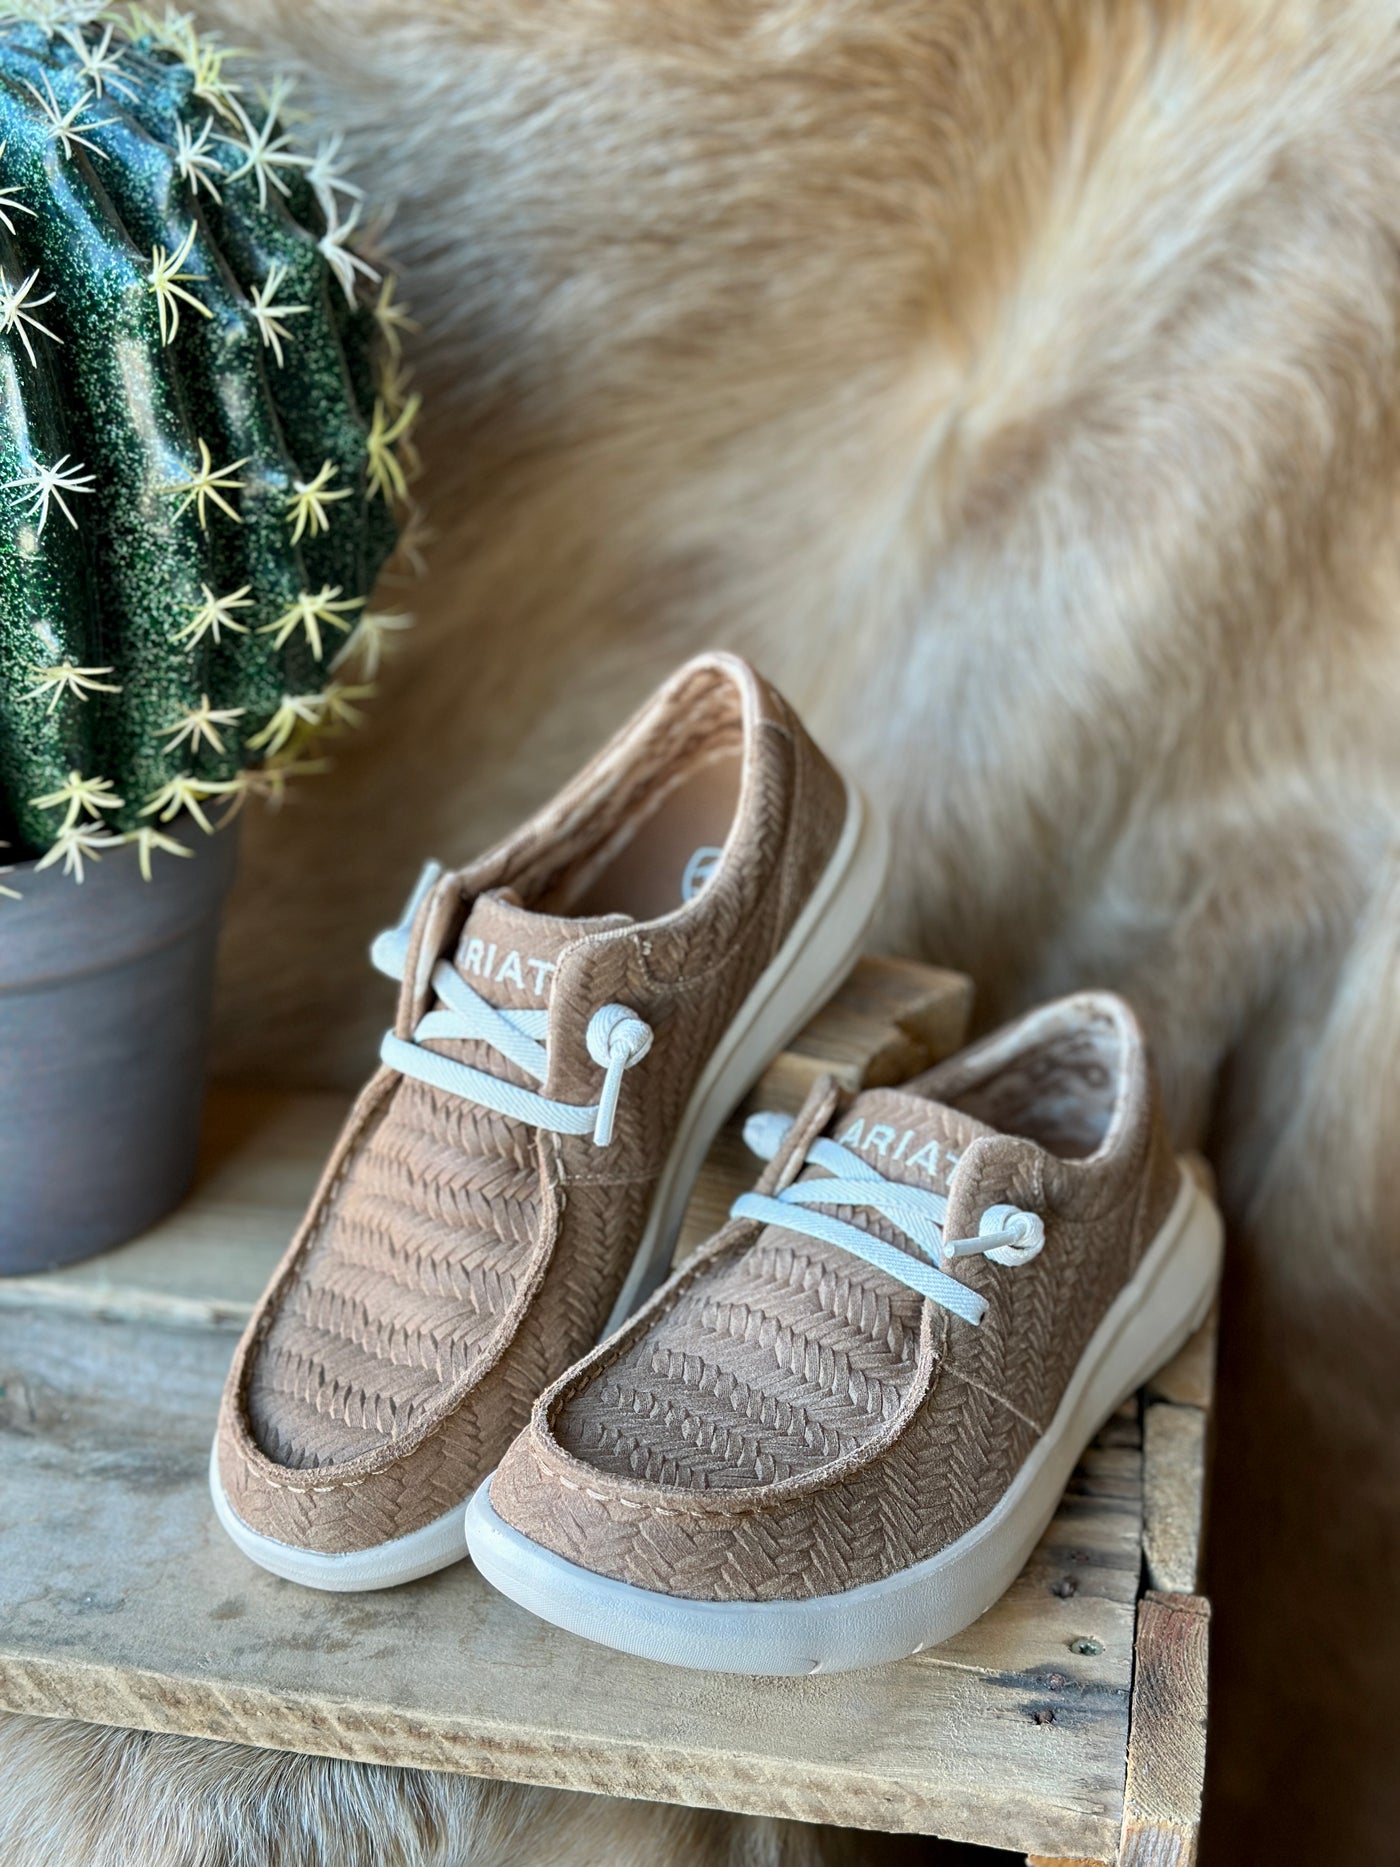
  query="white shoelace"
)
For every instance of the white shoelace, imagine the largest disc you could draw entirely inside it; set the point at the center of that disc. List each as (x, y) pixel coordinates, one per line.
(1005, 1234)
(616, 1039)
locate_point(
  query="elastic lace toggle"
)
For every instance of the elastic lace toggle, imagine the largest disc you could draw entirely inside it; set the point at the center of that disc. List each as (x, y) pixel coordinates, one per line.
(1005, 1234)
(616, 1038)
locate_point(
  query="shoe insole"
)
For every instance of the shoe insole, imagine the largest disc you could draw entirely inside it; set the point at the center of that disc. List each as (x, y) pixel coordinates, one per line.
(663, 856)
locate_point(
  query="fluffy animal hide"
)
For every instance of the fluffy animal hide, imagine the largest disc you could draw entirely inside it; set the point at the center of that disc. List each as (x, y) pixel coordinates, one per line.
(75, 1796)
(1015, 380)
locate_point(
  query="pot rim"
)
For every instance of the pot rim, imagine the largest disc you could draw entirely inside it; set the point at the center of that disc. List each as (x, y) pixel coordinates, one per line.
(61, 929)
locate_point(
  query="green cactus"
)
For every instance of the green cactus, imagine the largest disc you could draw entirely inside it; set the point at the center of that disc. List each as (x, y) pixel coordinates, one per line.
(203, 435)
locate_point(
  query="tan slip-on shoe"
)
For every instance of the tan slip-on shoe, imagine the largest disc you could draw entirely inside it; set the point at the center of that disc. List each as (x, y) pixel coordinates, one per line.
(579, 1011)
(835, 1436)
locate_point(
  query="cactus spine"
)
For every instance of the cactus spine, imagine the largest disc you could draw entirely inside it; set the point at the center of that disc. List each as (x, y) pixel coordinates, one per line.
(204, 435)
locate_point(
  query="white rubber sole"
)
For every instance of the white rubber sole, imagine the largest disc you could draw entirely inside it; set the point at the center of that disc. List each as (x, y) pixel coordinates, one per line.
(822, 946)
(422, 1552)
(921, 1606)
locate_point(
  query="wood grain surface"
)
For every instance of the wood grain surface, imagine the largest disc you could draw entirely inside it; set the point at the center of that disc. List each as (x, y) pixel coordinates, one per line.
(1166, 1764)
(122, 1602)
(1174, 1470)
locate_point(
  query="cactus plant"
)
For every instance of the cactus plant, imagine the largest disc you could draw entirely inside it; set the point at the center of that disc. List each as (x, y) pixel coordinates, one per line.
(203, 434)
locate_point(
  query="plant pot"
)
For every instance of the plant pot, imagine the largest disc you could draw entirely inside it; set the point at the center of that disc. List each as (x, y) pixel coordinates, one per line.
(105, 994)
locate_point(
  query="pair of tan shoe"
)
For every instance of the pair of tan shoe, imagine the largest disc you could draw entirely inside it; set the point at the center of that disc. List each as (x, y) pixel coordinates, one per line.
(835, 1435)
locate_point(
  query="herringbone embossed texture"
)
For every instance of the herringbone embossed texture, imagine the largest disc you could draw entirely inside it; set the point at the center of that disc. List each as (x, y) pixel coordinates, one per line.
(418, 1261)
(454, 1261)
(407, 1290)
(790, 1355)
(787, 1421)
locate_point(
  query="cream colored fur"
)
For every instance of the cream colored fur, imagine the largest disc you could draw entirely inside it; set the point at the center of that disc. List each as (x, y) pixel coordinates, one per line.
(1016, 380)
(73, 1796)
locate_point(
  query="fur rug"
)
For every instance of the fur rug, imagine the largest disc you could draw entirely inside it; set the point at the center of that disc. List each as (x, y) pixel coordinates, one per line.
(1016, 380)
(75, 1796)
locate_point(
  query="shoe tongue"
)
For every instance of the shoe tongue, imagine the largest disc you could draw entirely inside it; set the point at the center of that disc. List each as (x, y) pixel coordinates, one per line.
(509, 954)
(906, 1136)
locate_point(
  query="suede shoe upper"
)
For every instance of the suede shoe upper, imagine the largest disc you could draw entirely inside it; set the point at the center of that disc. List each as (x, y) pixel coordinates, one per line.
(456, 1259)
(785, 1419)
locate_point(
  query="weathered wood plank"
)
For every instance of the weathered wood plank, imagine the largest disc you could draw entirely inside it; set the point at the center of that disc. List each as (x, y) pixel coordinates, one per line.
(1167, 1743)
(122, 1602)
(922, 1012)
(1044, 1860)
(1174, 1474)
(1189, 1377)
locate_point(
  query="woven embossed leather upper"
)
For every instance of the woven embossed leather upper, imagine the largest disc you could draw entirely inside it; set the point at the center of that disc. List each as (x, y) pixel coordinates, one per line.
(784, 1419)
(454, 1259)
(422, 1246)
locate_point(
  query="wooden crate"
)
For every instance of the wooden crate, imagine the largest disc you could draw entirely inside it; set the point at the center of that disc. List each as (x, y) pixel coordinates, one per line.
(1067, 1723)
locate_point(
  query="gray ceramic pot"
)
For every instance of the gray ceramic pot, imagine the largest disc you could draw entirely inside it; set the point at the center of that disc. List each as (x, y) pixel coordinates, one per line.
(105, 993)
